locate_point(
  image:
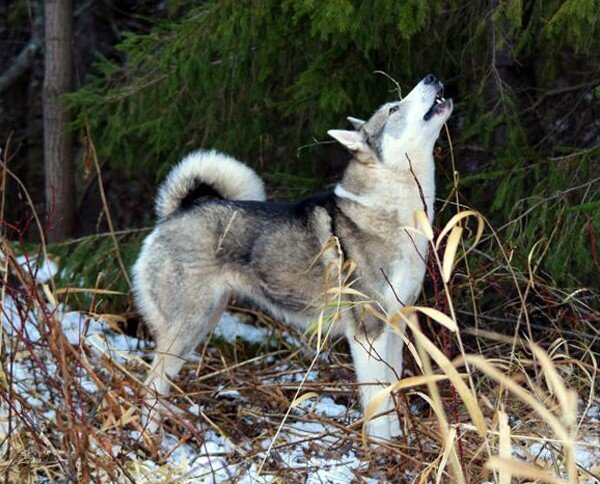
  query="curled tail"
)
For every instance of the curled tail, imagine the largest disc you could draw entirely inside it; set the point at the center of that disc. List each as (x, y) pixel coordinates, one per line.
(203, 173)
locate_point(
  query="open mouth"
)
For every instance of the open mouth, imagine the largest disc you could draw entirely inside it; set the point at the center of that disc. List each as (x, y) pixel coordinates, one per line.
(439, 105)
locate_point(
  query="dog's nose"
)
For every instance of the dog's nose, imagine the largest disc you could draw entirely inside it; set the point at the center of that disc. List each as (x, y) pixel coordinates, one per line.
(430, 79)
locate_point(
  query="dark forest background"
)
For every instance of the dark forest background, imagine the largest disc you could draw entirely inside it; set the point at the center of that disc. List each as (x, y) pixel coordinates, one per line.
(264, 80)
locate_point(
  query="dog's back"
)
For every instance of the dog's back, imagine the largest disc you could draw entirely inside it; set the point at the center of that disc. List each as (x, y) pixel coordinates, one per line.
(204, 250)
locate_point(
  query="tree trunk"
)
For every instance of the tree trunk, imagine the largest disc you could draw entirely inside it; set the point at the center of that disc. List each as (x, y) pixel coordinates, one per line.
(58, 156)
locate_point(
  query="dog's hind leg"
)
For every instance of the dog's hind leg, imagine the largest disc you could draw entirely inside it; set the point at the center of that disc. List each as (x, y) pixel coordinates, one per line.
(173, 343)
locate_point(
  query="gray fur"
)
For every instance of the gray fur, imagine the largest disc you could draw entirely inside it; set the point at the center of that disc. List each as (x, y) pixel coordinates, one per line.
(355, 122)
(272, 254)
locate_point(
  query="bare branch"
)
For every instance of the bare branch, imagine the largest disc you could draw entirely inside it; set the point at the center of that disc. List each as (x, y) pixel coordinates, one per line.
(23, 61)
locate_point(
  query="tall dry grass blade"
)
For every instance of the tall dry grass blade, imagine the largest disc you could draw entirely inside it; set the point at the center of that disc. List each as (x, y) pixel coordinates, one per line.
(436, 400)
(455, 378)
(557, 386)
(87, 290)
(448, 449)
(504, 448)
(457, 218)
(38, 223)
(422, 224)
(434, 314)
(304, 397)
(409, 344)
(522, 469)
(92, 149)
(511, 385)
(382, 395)
(343, 267)
(450, 252)
(49, 295)
(567, 400)
(399, 329)
(424, 477)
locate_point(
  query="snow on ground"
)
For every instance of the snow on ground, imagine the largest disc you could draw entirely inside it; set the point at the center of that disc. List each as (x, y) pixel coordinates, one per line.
(218, 459)
(302, 444)
(211, 464)
(230, 328)
(587, 454)
(43, 272)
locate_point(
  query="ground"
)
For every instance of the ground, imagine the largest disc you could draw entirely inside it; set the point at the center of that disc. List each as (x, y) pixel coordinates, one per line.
(256, 404)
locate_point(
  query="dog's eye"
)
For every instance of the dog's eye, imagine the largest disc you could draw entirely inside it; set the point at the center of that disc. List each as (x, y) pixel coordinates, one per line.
(393, 109)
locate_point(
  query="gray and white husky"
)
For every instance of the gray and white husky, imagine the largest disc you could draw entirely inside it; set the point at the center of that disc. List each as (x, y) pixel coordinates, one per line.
(205, 250)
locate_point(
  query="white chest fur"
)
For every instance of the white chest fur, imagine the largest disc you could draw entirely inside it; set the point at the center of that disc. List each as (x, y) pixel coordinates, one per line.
(407, 267)
(385, 200)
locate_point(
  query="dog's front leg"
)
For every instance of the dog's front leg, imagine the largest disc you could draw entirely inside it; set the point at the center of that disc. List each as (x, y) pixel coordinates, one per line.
(373, 372)
(396, 360)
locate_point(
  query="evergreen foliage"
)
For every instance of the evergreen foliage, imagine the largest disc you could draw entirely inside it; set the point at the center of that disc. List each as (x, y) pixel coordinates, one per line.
(261, 79)
(93, 263)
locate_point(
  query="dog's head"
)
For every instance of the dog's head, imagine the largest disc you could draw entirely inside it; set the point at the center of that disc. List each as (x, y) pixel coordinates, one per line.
(400, 128)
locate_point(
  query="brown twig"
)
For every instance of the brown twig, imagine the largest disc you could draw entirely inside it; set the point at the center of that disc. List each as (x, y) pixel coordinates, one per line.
(92, 153)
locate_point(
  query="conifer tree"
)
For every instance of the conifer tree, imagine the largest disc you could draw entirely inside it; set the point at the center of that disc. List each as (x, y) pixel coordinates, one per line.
(262, 79)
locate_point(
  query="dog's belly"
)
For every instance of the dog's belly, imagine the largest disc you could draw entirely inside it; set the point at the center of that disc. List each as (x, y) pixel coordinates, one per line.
(285, 299)
(300, 305)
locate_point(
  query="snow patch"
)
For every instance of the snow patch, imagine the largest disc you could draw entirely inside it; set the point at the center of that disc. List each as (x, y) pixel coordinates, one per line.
(43, 271)
(328, 408)
(231, 327)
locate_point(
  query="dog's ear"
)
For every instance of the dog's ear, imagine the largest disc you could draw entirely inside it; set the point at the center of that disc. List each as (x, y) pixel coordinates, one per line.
(356, 144)
(357, 123)
(353, 140)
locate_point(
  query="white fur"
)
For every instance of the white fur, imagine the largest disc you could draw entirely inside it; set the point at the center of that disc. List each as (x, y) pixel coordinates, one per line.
(141, 284)
(378, 363)
(341, 192)
(229, 177)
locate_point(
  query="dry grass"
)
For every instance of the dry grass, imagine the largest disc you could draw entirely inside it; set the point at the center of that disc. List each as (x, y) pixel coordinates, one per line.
(499, 386)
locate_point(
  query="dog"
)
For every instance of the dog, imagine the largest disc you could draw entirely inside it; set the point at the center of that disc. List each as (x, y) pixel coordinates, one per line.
(217, 237)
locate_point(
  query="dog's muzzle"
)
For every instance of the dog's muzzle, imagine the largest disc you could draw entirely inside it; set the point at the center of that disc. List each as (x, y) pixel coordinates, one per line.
(440, 104)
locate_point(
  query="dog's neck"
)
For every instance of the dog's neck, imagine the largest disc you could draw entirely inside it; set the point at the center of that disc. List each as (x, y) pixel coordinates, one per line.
(387, 187)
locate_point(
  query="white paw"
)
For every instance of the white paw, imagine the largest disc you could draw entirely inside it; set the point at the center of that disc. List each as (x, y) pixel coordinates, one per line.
(379, 428)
